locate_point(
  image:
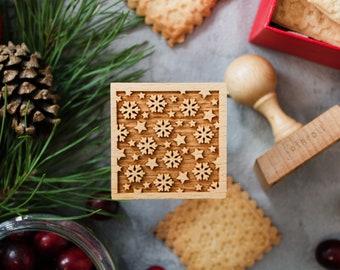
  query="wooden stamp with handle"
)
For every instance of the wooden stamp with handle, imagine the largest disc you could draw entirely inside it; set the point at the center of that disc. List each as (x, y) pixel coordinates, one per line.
(251, 80)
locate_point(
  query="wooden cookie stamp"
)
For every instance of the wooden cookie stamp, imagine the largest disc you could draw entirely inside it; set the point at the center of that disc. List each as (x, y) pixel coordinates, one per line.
(251, 80)
(168, 140)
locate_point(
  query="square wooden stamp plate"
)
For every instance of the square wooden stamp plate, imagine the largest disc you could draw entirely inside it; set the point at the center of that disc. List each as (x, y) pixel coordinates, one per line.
(168, 140)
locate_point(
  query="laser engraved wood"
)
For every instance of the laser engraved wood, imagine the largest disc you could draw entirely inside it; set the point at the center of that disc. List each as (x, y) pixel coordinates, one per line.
(169, 140)
(251, 80)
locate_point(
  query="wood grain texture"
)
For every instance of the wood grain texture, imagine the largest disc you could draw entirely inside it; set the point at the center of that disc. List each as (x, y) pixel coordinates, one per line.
(299, 147)
(169, 140)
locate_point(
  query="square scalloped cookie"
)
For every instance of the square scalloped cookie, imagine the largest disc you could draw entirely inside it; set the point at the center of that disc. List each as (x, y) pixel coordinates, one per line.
(168, 140)
(229, 234)
(174, 19)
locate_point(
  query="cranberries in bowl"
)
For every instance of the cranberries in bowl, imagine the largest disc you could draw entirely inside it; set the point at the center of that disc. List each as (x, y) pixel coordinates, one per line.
(41, 241)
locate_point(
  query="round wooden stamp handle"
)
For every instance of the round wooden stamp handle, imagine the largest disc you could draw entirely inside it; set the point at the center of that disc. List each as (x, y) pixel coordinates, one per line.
(251, 80)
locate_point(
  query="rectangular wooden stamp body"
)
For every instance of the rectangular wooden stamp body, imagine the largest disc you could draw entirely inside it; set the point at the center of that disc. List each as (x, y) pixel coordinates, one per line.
(168, 140)
(299, 147)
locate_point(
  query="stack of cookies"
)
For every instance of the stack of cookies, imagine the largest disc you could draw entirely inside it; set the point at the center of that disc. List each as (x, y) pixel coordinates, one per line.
(318, 19)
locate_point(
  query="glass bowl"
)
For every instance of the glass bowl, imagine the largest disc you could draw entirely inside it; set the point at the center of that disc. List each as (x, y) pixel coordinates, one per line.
(70, 230)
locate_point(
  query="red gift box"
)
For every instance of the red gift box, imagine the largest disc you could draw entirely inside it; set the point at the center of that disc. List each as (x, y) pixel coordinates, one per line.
(267, 34)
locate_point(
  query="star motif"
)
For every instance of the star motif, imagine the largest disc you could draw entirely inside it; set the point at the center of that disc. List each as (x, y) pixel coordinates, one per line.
(145, 115)
(217, 125)
(182, 92)
(212, 149)
(120, 153)
(183, 176)
(128, 93)
(185, 150)
(171, 114)
(192, 123)
(118, 98)
(198, 187)
(197, 154)
(132, 143)
(152, 163)
(126, 186)
(179, 123)
(140, 126)
(214, 101)
(180, 190)
(119, 168)
(205, 93)
(209, 115)
(173, 99)
(141, 95)
(180, 139)
(135, 157)
(217, 162)
(167, 144)
(146, 184)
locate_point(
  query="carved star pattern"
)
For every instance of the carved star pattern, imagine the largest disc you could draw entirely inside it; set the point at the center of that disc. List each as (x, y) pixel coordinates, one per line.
(152, 163)
(181, 148)
(209, 115)
(140, 126)
(205, 93)
(197, 154)
(183, 176)
(180, 139)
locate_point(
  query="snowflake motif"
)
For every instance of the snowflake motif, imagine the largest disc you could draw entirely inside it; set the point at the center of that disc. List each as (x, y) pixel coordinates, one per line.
(122, 132)
(163, 182)
(147, 145)
(172, 159)
(203, 134)
(202, 171)
(134, 173)
(129, 109)
(156, 103)
(189, 107)
(163, 128)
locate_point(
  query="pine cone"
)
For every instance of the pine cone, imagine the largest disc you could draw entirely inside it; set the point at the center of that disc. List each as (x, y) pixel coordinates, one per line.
(31, 104)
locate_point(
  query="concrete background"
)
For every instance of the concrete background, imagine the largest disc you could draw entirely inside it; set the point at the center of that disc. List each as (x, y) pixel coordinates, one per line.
(305, 206)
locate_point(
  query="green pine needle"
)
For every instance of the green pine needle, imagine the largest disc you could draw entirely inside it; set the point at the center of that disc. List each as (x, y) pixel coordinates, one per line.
(78, 39)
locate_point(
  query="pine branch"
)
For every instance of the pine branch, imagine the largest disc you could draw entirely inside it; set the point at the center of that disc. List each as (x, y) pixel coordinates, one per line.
(78, 40)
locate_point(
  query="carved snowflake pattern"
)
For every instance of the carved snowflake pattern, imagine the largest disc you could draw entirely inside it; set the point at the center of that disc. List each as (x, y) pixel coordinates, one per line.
(147, 145)
(129, 109)
(202, 171)
(122, 132)
(203, 134)
(167, 141)
(157, 103)
(172, 159)
(134, 173)
(189, 107)
(163, 128)
(163, 182)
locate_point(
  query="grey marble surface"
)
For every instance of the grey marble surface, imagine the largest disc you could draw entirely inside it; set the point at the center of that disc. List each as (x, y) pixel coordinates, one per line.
(305, 206)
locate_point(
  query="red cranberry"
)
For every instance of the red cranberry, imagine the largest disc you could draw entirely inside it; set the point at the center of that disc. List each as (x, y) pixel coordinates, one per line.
(18, 256)
(49, 244)
(156, 267)
(101, 201)
(327, 254)
(74, 259)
